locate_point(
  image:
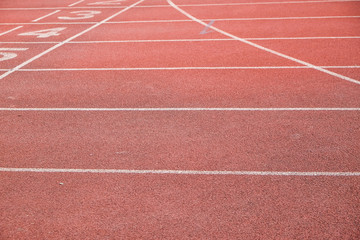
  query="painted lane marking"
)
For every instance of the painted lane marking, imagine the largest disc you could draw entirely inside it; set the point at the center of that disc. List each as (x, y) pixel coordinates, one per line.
(178, 68)
(40, 18)
(256, 3)
(13, 49)
(206, 29)
(66, 41)
(11, 30)
(181, 172)
(50, 23)
(9, 55)
(80, 15)
(174, 109)
(75, 3)
(44, 33)
(187, 5)
(108, 2)
(187, 20)
(266, 49)
(187, 40)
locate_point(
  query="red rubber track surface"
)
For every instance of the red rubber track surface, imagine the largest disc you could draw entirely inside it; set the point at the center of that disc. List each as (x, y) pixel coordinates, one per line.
(178, 207)
(153, 126)
(187, 88)
(212, 141)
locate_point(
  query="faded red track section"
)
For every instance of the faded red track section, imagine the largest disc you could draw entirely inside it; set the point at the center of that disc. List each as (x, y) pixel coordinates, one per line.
(141, 127)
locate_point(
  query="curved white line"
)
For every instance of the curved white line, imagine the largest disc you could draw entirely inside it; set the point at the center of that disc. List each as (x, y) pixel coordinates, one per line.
(264, 48)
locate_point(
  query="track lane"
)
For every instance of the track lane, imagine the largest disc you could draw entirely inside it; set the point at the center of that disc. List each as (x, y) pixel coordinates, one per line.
(337, 27)
(104, 4)
(141, 31)
(20, 16)
(158, 54)
(153, 206)
(233, 141)
(68, 31)
(319, 51)
(245, 2)
(34, 3)
(355, 73)
(179, 88)
(22, 50)
(281, 10)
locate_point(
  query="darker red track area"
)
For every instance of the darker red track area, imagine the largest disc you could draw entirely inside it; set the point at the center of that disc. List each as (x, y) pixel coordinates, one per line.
(131, 120)
(258, 141)
(181, 207)
(187, 88)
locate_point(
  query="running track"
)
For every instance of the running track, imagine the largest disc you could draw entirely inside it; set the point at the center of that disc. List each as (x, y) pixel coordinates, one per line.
(179, 119)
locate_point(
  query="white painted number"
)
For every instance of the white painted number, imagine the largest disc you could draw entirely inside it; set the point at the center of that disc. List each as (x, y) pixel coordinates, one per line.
(109, 2)
(81, 15)
(9, 55)
(44, 33)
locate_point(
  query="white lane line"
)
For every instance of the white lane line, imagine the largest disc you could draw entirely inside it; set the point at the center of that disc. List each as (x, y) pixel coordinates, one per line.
(179, 68)
(302, 38)
(66, 41)
(9, 31)
(75, 3)
(174, 109)
(266, 49)
(188, 40)
(252, 3)
(13, 49)
(186, 20)
(30, 42)
(184, 5)
(181, 172)
(236, 19)
(174, 68)
(50, 23)
(40, 18)
(63, 8)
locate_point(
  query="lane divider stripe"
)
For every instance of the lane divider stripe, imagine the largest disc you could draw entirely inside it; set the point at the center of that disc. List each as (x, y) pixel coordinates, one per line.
(182, 172)
(178, 109)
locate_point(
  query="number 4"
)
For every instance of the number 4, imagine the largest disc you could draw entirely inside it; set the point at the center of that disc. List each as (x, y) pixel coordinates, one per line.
(44, 33)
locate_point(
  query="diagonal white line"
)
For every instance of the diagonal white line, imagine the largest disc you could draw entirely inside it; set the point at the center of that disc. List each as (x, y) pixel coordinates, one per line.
(181, 172)
(191, 40)
(67, 40)
(47, 15)
(75, 3)
(264, 48)
(176, 68)
(11, 30)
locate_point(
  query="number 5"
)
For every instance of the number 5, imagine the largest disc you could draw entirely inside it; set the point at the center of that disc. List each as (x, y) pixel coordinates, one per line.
(9, 55)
